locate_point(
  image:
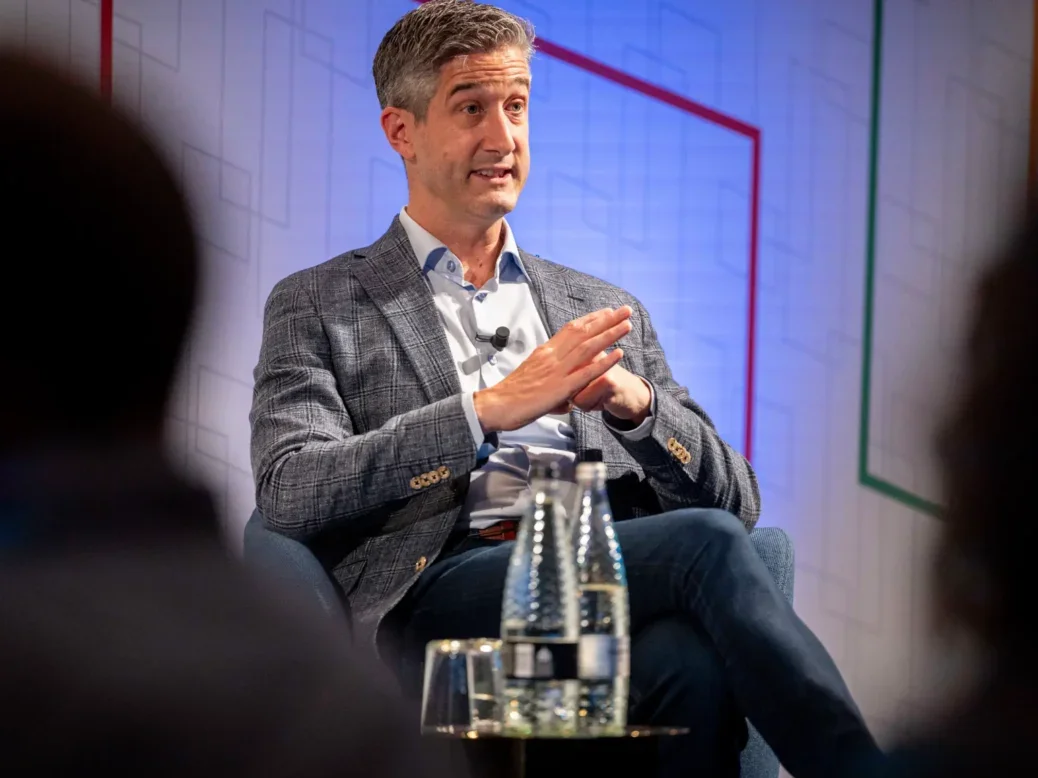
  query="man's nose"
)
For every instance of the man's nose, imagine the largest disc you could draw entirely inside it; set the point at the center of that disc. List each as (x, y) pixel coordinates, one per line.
(500, 131)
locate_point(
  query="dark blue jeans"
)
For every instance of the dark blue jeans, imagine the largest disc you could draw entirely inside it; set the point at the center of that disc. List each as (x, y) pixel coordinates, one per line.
(713, 639)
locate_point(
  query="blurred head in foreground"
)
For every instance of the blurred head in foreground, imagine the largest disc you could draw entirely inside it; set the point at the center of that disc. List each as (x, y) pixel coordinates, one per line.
(101, 266)
(986, 563)
(131, 643)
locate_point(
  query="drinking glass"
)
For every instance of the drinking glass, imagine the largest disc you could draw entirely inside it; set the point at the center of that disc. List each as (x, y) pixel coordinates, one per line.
(462, 688)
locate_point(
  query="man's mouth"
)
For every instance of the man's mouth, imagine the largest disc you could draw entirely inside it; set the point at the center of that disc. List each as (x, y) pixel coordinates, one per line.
(493, 173)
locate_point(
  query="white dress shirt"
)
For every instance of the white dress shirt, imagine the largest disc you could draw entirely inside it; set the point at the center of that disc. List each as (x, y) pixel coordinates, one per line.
(499, 488)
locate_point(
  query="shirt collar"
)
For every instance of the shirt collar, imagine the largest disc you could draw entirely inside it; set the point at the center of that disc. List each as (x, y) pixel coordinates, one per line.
(430, 250)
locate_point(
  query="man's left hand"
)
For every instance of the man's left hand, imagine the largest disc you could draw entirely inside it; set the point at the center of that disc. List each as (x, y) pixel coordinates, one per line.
(619, 393)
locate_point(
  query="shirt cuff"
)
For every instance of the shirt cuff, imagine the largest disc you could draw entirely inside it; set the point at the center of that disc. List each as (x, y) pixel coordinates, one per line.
(468, 402)
(644, 429)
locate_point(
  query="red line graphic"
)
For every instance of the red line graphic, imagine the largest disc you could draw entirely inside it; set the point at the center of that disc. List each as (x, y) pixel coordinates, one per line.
(753, 134)
(751, 314)
(1032, 167)
(107, 14)
(644, 87)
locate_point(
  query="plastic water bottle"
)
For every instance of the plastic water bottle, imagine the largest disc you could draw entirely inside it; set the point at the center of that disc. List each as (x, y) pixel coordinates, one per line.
(604, 647)
(539, 625)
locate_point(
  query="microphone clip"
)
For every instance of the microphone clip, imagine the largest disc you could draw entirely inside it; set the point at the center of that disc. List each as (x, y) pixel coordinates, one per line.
(498, 340)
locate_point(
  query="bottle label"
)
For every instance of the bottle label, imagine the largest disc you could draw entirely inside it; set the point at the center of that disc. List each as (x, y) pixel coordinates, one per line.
(623, 657)
(603, 657)
(539, 661)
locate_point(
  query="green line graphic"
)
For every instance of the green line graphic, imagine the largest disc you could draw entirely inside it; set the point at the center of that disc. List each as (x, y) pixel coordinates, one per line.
(865, 478)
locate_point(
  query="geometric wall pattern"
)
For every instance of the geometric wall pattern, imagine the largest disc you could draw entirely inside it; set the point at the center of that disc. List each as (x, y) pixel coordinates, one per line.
(659, 194)
(267, 109)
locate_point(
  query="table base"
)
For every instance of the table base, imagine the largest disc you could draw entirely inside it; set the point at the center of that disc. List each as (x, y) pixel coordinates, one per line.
(556, 758)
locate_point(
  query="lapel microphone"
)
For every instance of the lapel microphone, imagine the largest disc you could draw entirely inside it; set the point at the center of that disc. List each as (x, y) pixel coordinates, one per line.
(498, 340)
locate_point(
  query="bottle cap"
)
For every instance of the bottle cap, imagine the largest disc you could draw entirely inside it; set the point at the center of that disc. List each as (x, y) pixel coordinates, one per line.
(592, 455)
(589, 470)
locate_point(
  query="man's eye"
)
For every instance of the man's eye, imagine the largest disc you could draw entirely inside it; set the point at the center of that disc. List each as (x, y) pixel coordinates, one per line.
(471, 110)
(518, 106)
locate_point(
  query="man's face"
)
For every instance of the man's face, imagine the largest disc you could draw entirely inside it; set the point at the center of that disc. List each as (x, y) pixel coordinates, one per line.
(471, 152)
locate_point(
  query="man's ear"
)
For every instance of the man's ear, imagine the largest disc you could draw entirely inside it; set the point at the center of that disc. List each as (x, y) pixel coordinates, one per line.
(399, 126)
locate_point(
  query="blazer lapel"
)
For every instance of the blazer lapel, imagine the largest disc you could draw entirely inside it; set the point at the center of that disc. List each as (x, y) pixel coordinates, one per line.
(560, 302)
(390, 274)
(557, 302)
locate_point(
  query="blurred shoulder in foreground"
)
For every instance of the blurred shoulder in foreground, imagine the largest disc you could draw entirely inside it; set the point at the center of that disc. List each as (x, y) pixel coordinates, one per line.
(131, 641)
(984, 574)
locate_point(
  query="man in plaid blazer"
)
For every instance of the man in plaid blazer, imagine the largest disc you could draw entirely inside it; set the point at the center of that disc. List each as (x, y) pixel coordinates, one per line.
(394, 441)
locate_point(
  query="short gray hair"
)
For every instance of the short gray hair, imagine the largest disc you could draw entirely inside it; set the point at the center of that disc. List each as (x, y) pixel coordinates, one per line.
(408, 61)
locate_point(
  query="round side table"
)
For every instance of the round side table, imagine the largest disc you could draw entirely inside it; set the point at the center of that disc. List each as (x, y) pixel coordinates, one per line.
(549, 755)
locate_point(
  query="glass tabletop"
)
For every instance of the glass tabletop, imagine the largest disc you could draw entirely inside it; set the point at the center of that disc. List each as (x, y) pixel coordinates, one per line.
(632, 731)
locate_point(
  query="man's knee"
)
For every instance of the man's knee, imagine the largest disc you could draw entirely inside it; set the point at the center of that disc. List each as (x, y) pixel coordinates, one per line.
(708, 525)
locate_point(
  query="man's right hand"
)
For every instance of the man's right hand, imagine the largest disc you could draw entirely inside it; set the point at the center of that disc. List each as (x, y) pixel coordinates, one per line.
(554, 372)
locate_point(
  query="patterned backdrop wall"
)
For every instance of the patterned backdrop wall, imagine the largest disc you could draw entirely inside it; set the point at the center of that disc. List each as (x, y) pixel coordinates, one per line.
(798, 190)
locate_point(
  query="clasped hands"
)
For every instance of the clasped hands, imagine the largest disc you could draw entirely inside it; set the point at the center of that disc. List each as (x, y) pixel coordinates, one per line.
(572, 369)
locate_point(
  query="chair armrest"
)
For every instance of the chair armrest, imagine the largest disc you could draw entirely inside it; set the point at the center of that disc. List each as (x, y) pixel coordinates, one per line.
(292, 565)
(775, 547)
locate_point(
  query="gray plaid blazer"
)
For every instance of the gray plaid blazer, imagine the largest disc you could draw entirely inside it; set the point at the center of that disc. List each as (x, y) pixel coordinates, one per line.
(360, 445)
